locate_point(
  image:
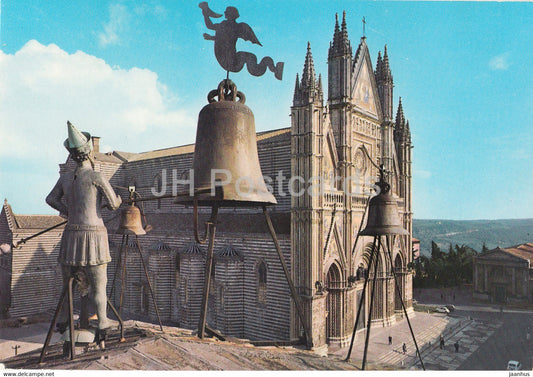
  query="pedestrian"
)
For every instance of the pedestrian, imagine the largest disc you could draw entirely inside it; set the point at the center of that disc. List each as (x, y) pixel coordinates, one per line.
(441, 345)
(454, 297)
(404, 348)
(390, 340)
(456, 345)
(441, 297)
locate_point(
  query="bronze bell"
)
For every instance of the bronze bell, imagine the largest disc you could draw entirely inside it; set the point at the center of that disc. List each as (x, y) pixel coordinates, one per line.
(226, 151)
(130, 221)
(383, 216)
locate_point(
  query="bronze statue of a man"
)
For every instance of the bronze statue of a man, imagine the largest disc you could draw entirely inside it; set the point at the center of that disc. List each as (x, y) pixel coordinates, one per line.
(84, 250)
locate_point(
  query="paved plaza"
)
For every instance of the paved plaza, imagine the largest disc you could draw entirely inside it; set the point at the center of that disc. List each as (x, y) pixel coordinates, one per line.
(487, 337)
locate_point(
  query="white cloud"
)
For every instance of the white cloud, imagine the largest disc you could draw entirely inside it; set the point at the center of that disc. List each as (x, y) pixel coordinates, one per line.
(41, 87)
(118, 22)
(500, 62)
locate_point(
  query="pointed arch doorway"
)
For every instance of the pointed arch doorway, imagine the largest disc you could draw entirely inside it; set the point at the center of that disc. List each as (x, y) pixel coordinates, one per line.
(398, 268)
(334, 304)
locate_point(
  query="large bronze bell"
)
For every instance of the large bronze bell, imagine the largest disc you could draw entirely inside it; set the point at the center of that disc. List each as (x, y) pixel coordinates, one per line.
(383, 216)
(225, 153)
(130, 221)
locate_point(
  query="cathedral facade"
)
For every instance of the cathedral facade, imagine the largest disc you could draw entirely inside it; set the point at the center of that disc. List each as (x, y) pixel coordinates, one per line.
(328, 138)
(317, 228)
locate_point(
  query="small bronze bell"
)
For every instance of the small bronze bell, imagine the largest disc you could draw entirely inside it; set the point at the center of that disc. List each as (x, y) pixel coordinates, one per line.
(383, 216)
(130, 221)
(225, 153)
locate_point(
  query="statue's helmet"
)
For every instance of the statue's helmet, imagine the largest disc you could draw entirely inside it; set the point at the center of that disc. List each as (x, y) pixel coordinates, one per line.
(79, 144)
(231, 13)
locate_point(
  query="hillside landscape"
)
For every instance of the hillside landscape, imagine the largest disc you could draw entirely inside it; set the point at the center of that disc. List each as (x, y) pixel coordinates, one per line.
(472, 233)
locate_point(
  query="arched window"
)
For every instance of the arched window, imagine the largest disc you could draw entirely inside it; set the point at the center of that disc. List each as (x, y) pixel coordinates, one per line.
(261, 283)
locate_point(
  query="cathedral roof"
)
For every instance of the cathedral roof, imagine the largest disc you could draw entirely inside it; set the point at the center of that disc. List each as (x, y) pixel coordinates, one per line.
(228, 252)
(264, 136)
(193, 248)
(160, 246)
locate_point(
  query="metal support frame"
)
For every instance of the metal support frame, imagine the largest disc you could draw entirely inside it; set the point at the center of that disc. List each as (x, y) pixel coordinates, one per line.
(388, 252)
(294, 294)
(371, 306)
(121, 262)
(211, 227)
(374, 258)
(67, 293)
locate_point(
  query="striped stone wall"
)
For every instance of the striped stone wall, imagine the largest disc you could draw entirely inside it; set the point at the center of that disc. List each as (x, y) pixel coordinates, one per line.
(36, 281)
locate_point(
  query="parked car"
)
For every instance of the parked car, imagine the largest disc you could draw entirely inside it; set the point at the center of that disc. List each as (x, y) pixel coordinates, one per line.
(450, 307)
(514, 365)
(443, 309)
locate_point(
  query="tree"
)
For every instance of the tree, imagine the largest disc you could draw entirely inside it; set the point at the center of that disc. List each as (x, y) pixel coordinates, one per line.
(445, 269)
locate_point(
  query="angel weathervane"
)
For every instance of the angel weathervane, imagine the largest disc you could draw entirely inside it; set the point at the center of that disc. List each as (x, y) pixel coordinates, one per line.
(226, 34)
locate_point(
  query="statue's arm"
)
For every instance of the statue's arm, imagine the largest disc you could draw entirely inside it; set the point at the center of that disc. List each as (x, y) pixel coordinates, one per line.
(113, 200)
(207, 12)
(54, 198)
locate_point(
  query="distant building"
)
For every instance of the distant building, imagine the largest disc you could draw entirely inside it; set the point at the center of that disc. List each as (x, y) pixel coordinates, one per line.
(504, 275)
(249, 296)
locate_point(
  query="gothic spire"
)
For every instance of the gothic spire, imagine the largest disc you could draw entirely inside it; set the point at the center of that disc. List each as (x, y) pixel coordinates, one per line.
(308, 76)
(341, 44)
(379, 67)
(386, 72)
(308, 89)
(296, 87)
(344, 31)
(400, 118)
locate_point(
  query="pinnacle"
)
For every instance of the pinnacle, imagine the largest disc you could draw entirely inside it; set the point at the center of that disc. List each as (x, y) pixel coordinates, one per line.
(386, 72)
(341, 43)
(308, 76)
(400, 118)
(379, 66)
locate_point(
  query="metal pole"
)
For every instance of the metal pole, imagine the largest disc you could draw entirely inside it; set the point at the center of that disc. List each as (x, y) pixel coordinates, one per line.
(208, 265)
(23, 240)
(388, 252)
(372, 294)
(149, 283)
(294, 294)
(71, 317)
(54, 321)
(119, 262)
(123, 277)
(363, 294)
(122, 339)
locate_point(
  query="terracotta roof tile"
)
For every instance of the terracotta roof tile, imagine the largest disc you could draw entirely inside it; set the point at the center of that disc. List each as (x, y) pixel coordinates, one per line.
(37, 221)
(524, 251)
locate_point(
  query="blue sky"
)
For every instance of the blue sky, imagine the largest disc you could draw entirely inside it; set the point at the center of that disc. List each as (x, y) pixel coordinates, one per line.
(137, 74)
